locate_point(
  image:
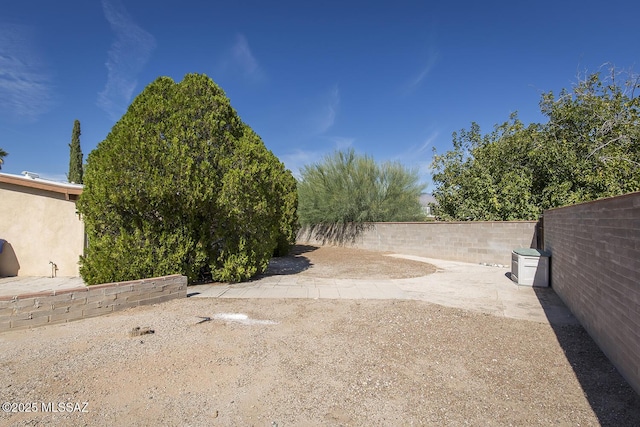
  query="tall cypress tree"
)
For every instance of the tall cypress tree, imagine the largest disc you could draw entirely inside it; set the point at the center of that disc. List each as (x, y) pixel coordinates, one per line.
(75, 156)
(3, 154)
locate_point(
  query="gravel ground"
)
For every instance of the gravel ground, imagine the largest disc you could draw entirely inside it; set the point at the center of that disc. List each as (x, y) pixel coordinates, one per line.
(311, 362)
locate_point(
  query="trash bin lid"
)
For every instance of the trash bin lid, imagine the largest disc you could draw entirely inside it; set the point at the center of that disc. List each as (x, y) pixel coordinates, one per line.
(531, 252)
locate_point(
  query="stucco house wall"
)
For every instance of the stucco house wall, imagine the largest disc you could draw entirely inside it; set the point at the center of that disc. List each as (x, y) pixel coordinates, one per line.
(39, 223)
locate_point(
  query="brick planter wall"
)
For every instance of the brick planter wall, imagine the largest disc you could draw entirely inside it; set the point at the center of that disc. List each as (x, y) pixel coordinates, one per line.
(43, 308)
(595, 269)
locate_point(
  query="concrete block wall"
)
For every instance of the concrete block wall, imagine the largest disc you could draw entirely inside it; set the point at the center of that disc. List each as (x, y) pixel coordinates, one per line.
(43, 308)
(477, 242)
(595, 269)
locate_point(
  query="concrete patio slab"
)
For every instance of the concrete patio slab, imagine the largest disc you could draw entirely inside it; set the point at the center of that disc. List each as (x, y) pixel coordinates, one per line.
(474, 287)
(20, 285)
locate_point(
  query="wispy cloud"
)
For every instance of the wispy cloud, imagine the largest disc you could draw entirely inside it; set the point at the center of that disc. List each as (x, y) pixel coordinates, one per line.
(416, 81)
(25, 88)
(299, 158)
(325, 118)
(240, 60)
(244, 58)
(427, 142)
(341, 142)
(429, 58)
(295, 160)
(127, 55)
(417, 156)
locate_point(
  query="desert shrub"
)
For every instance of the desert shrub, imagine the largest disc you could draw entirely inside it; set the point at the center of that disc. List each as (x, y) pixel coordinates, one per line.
(349, 188)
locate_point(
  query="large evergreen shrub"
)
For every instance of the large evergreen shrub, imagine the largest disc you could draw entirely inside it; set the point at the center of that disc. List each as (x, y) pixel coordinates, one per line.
(181, 185)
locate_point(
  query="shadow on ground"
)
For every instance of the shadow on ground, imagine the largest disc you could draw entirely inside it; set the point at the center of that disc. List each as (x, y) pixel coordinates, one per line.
(612, 399)
(554, 308)
(293, 263)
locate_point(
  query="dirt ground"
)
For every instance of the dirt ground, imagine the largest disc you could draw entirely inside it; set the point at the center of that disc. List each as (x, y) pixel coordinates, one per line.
(346, 263)
(311, 363)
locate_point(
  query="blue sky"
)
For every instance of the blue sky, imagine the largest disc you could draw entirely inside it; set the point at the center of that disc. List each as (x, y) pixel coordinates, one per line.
(392, 79)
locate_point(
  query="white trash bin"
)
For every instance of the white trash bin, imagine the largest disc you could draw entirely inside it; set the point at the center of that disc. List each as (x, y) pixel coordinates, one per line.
(530, 267)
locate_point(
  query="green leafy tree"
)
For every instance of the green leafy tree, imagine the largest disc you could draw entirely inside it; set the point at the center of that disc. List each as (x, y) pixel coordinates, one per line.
(346, 187)
(591, 144)
(182, 185)
(588, 149)
(3, 154)
(487, 177)
(75, 155)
